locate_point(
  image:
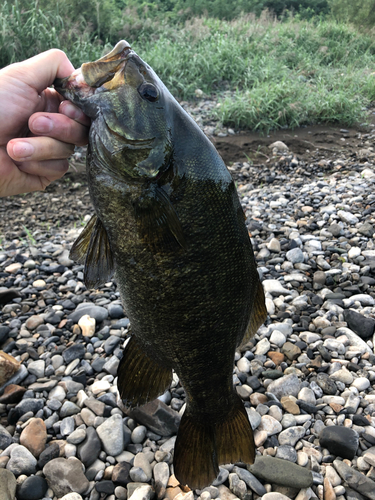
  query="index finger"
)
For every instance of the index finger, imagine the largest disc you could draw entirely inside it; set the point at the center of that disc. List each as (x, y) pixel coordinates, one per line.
(40, 71)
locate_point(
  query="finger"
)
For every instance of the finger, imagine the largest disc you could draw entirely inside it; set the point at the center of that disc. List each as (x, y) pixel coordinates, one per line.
(50, 169)
(41, 70)
(14, 181)
(67, 108)
(59, 127)
(39, 149)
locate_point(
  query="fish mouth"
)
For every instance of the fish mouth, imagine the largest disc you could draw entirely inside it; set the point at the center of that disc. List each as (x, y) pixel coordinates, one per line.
(85, 81)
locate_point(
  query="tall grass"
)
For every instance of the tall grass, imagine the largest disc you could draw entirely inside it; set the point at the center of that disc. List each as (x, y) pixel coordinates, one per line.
(274, 74)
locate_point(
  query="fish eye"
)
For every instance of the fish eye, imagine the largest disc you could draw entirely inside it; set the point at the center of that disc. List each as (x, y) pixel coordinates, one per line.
(148, 91)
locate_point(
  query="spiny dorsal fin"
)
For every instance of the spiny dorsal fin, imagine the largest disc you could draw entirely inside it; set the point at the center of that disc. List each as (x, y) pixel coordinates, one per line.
(93, 249)
(159, 225)
(140, 378)
(258, 315)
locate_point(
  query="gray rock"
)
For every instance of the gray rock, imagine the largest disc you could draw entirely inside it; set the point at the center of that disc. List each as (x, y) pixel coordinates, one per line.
(77, 436)
(37, 368)
(138, 475)
(289, 385)
(157, 417)
(97, 312)
(286, 453)
(355, 479)
(347, 217)
(67, 426)
(5, 438)
(111, 365)
(139, 434)
(290, 436)
(75, 351)
(21, 461)
(250, 480)
(340, 441)
(161, 476)
(94, 468)
(65, 476)
(362, 326)
(88, 451)
(111, 434)
(295, 255)
(281, 472)
(8, 485)
(68, 409)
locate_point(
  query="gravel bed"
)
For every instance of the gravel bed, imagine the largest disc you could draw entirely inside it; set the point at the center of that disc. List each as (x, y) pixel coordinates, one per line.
(306, 378)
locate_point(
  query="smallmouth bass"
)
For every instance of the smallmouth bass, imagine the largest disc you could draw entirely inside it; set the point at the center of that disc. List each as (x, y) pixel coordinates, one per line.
(170, 225)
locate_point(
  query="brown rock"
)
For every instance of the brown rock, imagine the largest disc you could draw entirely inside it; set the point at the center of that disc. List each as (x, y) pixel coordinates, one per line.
(173, 488)
(33, 322)
(336, 407)
(12, 394)
(290, 405)
(316, 362)
(3, 462)
(120, 473)
(277, 357)
(257, 398)
(8, 367)
(291, 351)
(34, 436)
(329, 492)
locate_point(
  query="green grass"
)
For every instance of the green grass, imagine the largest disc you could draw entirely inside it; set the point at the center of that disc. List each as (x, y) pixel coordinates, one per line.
(267, 73)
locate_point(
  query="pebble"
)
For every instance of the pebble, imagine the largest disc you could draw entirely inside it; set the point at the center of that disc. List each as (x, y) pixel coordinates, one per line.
(340, 441)
(34, 436)
(281, 472)
(8, 485)
(111, 434)
(21, 461)
(65, 476)
(33, 488)
(307, 371)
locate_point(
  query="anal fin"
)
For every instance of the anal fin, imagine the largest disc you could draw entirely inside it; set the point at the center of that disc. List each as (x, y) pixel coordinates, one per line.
(140, 378)
(258, 315)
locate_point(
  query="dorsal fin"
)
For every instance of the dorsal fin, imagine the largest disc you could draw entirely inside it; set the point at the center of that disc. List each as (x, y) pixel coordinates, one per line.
(93, 249)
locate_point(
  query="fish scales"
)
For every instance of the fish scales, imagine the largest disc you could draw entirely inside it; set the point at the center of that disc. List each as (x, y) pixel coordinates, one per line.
(169, 222)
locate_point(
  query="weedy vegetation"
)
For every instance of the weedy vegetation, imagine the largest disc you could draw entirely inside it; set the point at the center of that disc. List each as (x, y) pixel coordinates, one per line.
(270, 69)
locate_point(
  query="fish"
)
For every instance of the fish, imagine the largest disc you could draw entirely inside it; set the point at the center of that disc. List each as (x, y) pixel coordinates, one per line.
(169, 226)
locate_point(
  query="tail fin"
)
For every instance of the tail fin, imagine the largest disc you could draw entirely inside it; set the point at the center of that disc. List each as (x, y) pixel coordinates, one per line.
(201, 447)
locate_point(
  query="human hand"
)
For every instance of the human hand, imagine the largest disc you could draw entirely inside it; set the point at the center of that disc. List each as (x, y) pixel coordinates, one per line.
(38, 130)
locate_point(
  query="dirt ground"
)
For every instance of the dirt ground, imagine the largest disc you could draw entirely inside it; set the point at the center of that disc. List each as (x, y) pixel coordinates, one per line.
(302, 142)
(305, 142)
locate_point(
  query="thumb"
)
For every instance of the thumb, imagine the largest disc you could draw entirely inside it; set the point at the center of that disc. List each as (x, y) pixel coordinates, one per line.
(40, 71)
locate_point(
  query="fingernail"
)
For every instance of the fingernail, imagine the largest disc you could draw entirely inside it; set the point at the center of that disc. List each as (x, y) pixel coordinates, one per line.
(42, 125)
(71, 111)
(22, 149)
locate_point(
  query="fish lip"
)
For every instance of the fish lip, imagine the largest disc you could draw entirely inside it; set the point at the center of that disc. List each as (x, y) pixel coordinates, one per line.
(120, 54)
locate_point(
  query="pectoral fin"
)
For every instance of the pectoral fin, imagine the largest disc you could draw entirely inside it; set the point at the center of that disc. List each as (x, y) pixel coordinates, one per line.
(140, 378)
(92, 248)
(159, 225)
(258, 314)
